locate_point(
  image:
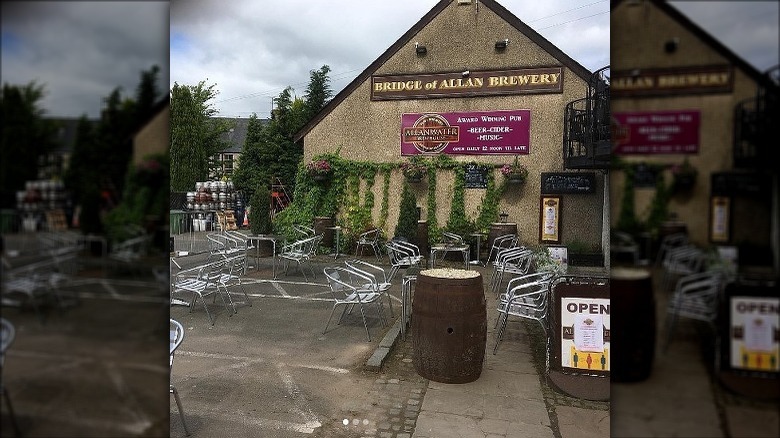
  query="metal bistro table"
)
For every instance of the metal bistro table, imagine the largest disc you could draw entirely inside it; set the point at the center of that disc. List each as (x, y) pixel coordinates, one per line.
(479, 237)
(464, 249)
(407, 283)
(337, 230)
(268, 238)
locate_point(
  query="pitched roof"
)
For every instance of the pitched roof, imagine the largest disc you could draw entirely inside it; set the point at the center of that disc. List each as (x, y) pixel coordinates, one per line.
(493, 5)
(706, 38)
(236, 136)
(65, 132)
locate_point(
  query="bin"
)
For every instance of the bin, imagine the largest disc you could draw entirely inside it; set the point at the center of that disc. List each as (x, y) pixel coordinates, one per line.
(449, 325)
(322, 225)
(8, 221)
(421, 239)
(177, 221)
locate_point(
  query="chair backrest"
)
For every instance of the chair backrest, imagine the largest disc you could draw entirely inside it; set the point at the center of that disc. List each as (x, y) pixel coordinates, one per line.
(370, 236)
(177, 335)
(304, 230)
(536, 277)
(502, 242)
(368, 269)
(451, 238)
(668, 242)
(340, 280)
(696, 296)
(409, 248)
(686, 257)
(7, 335)
(507, 253)
(212, 272)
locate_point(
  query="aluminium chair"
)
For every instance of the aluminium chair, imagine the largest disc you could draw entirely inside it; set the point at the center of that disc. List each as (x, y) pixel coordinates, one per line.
(378, 278)
(177, 335)
(669, 242)
(346, 287)
(7, 336)
(680, 261)
(369, 238)
(512, 261)
(301, 252)
(402, 256)
(450, 242)
(695, 297)
(501, 242)
(526, 297)
(232, 275)
(205, 283)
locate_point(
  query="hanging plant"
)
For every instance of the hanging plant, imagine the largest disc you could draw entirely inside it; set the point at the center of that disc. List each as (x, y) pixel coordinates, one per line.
(319, 170)
(515, 172)
(684, 176)
(414, 171)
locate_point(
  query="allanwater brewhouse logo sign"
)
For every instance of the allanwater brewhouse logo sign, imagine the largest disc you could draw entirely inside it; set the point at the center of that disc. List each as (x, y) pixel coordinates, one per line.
(466, 133)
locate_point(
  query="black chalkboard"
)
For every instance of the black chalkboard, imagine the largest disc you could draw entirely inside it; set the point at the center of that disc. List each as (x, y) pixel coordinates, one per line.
(645, 176)
(475, 176)
(555, 183)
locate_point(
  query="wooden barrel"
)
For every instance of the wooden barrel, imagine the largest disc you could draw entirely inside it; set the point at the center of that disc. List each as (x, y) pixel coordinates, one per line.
(633, 324)
(449, 325)
(321, 226)
(499, 229)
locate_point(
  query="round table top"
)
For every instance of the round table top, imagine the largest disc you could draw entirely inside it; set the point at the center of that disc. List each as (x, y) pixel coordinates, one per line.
(449, 273)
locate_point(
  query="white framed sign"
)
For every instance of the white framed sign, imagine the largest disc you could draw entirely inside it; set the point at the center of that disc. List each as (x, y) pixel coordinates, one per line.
(584, 323)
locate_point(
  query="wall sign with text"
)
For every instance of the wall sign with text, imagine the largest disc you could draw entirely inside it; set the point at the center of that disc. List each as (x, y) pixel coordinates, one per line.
(585, 339)
(672, 81)
(466, 133)
(656, 132)
(755, 333)
(470, 83)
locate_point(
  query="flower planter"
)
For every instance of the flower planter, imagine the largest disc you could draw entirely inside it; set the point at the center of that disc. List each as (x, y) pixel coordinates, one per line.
(592, 259)
(320, 178)
(414, 179)
(684, 182)
(518, 179)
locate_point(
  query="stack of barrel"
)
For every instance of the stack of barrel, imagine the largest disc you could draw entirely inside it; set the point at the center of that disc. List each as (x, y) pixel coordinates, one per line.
(211, 196)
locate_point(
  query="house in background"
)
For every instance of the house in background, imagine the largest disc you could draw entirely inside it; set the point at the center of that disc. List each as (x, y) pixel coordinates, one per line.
(153, 134)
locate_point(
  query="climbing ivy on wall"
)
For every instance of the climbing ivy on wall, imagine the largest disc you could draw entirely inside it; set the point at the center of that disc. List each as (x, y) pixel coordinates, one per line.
(383, 211)
(340, 196)
(488, 211)
(458, 222)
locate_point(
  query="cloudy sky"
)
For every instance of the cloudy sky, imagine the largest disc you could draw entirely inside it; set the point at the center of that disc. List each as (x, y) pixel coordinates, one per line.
(253, 49)
(81, 51)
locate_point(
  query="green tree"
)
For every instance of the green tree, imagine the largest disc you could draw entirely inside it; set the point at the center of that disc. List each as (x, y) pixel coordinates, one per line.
(102, 153)
(407, 215)
(318, 93)
(25, 136)
(269, 151)
(194, 135)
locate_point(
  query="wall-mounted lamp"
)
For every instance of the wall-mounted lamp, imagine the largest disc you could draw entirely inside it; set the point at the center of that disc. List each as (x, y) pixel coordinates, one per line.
(503, 215)
(465, 73)
(501, 45)
(420, 49)
(671, 45)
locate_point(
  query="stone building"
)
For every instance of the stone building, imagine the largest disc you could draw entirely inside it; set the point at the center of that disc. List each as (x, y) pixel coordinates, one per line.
(682, 100)
(492, 89)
